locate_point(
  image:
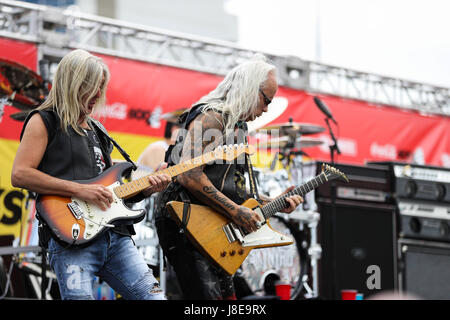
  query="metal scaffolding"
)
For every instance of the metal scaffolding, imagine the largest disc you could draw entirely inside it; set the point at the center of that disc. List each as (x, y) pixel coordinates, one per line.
(57, 31)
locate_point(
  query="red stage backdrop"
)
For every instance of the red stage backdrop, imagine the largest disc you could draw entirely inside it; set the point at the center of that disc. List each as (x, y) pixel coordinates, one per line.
(140, 92)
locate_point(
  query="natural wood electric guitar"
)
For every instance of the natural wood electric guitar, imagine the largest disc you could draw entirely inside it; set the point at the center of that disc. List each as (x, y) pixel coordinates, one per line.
(77, 222)
(226, 244)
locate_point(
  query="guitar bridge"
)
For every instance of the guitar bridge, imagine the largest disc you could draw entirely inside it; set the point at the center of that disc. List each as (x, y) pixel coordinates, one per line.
(75, 209)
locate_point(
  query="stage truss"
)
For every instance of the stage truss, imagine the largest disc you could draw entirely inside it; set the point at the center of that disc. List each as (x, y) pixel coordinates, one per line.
(57, 31)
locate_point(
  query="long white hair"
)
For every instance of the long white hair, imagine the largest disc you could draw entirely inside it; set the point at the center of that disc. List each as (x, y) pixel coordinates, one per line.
(238, 93)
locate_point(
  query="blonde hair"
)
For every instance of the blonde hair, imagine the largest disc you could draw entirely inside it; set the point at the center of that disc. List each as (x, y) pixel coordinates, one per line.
(77, 80)
(238, 93)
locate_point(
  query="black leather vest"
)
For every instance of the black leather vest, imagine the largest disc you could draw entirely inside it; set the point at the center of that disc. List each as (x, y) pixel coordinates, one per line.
(69, 156)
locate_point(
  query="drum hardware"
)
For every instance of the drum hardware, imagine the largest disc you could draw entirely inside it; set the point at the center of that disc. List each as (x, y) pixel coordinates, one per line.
(315, 253)
(36, 272)
(288, 142)
(289, 263)
(302, 222)
(314, 249)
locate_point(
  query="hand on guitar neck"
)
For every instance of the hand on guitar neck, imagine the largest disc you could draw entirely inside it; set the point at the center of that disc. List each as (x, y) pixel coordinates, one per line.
(157, 182)
(292, 201)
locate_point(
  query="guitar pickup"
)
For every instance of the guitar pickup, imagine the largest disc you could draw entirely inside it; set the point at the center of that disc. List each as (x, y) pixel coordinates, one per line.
(233, 233)
(229, 233)
(75, 209)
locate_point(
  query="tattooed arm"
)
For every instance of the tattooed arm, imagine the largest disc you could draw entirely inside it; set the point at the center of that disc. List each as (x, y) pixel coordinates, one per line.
(204, 134)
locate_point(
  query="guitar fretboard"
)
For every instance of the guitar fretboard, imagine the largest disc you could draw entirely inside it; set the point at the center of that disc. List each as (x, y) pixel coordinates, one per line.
(132, 188)
(280, 203)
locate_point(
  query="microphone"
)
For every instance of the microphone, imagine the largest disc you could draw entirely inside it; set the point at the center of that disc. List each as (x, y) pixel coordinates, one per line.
(323, 107)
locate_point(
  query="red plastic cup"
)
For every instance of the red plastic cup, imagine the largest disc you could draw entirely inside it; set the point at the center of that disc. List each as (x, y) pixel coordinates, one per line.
(283, 291)
(348, 294)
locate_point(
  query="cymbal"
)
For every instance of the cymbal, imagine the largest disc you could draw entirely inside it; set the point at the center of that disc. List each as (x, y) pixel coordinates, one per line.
(283, 142)
(172, 116)
(274, 143)
(308, 143)
(293, 128)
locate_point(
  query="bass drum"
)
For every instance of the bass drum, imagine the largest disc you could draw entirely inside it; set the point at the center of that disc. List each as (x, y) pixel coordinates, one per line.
(264, 266)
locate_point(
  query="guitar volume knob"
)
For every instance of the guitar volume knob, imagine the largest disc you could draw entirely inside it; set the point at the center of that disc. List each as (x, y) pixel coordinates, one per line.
(223, 254)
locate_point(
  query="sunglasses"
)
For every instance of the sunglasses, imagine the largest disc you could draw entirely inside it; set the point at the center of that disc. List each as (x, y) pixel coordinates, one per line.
(267, 101)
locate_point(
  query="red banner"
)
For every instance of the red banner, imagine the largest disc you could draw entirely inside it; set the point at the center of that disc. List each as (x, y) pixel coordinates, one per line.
(140, 92)
(21, 52)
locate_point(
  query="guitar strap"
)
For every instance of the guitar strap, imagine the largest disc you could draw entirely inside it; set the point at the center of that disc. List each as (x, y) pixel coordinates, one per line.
(253, 186)
(119, 148)
(186, 211)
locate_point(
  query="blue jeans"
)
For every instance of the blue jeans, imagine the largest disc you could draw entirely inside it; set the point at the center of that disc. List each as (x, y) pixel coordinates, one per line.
(112, 257)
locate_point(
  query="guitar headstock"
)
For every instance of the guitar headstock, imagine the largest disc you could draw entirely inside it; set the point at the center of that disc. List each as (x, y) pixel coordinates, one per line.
(332, 173)
(232, 151)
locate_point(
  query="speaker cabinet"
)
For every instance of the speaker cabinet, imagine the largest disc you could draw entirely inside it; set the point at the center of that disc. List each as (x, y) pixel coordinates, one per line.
(424, 269)
(357, 238)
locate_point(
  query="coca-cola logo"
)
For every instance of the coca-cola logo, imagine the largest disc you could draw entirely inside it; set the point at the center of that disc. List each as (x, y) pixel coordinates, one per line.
(116, 110)
(385, 151)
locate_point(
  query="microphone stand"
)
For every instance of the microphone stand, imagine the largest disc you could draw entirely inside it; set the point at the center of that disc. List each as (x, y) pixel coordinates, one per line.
(333, 148)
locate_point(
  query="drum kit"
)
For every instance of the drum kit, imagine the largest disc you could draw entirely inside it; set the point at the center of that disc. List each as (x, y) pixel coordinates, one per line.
(21, 88)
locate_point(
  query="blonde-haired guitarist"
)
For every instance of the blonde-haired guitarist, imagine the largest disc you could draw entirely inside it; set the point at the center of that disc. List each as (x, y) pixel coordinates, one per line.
(60, 145)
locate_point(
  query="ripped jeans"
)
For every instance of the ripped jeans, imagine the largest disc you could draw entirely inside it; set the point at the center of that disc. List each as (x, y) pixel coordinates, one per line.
(112, 257)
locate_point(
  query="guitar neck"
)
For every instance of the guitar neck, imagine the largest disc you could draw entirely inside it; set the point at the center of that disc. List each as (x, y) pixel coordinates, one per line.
(280, 203)
(132, 188)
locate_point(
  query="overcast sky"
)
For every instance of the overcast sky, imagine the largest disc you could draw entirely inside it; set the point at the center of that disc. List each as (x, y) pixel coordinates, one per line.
(408, 39)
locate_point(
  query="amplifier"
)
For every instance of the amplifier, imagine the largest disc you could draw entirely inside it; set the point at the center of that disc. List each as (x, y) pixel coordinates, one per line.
(367, 183)
(420, 182)
(423, 269)
(424, 220)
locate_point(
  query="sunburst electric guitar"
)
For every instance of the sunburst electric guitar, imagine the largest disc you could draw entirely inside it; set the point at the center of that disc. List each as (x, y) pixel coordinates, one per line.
(77, 222)
(226, 244)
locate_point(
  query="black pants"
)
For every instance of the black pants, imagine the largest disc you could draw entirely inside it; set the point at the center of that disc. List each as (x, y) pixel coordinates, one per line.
(197, 277)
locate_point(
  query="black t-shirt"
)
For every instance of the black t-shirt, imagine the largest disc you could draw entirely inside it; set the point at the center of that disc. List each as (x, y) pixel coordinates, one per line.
(100, 162)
